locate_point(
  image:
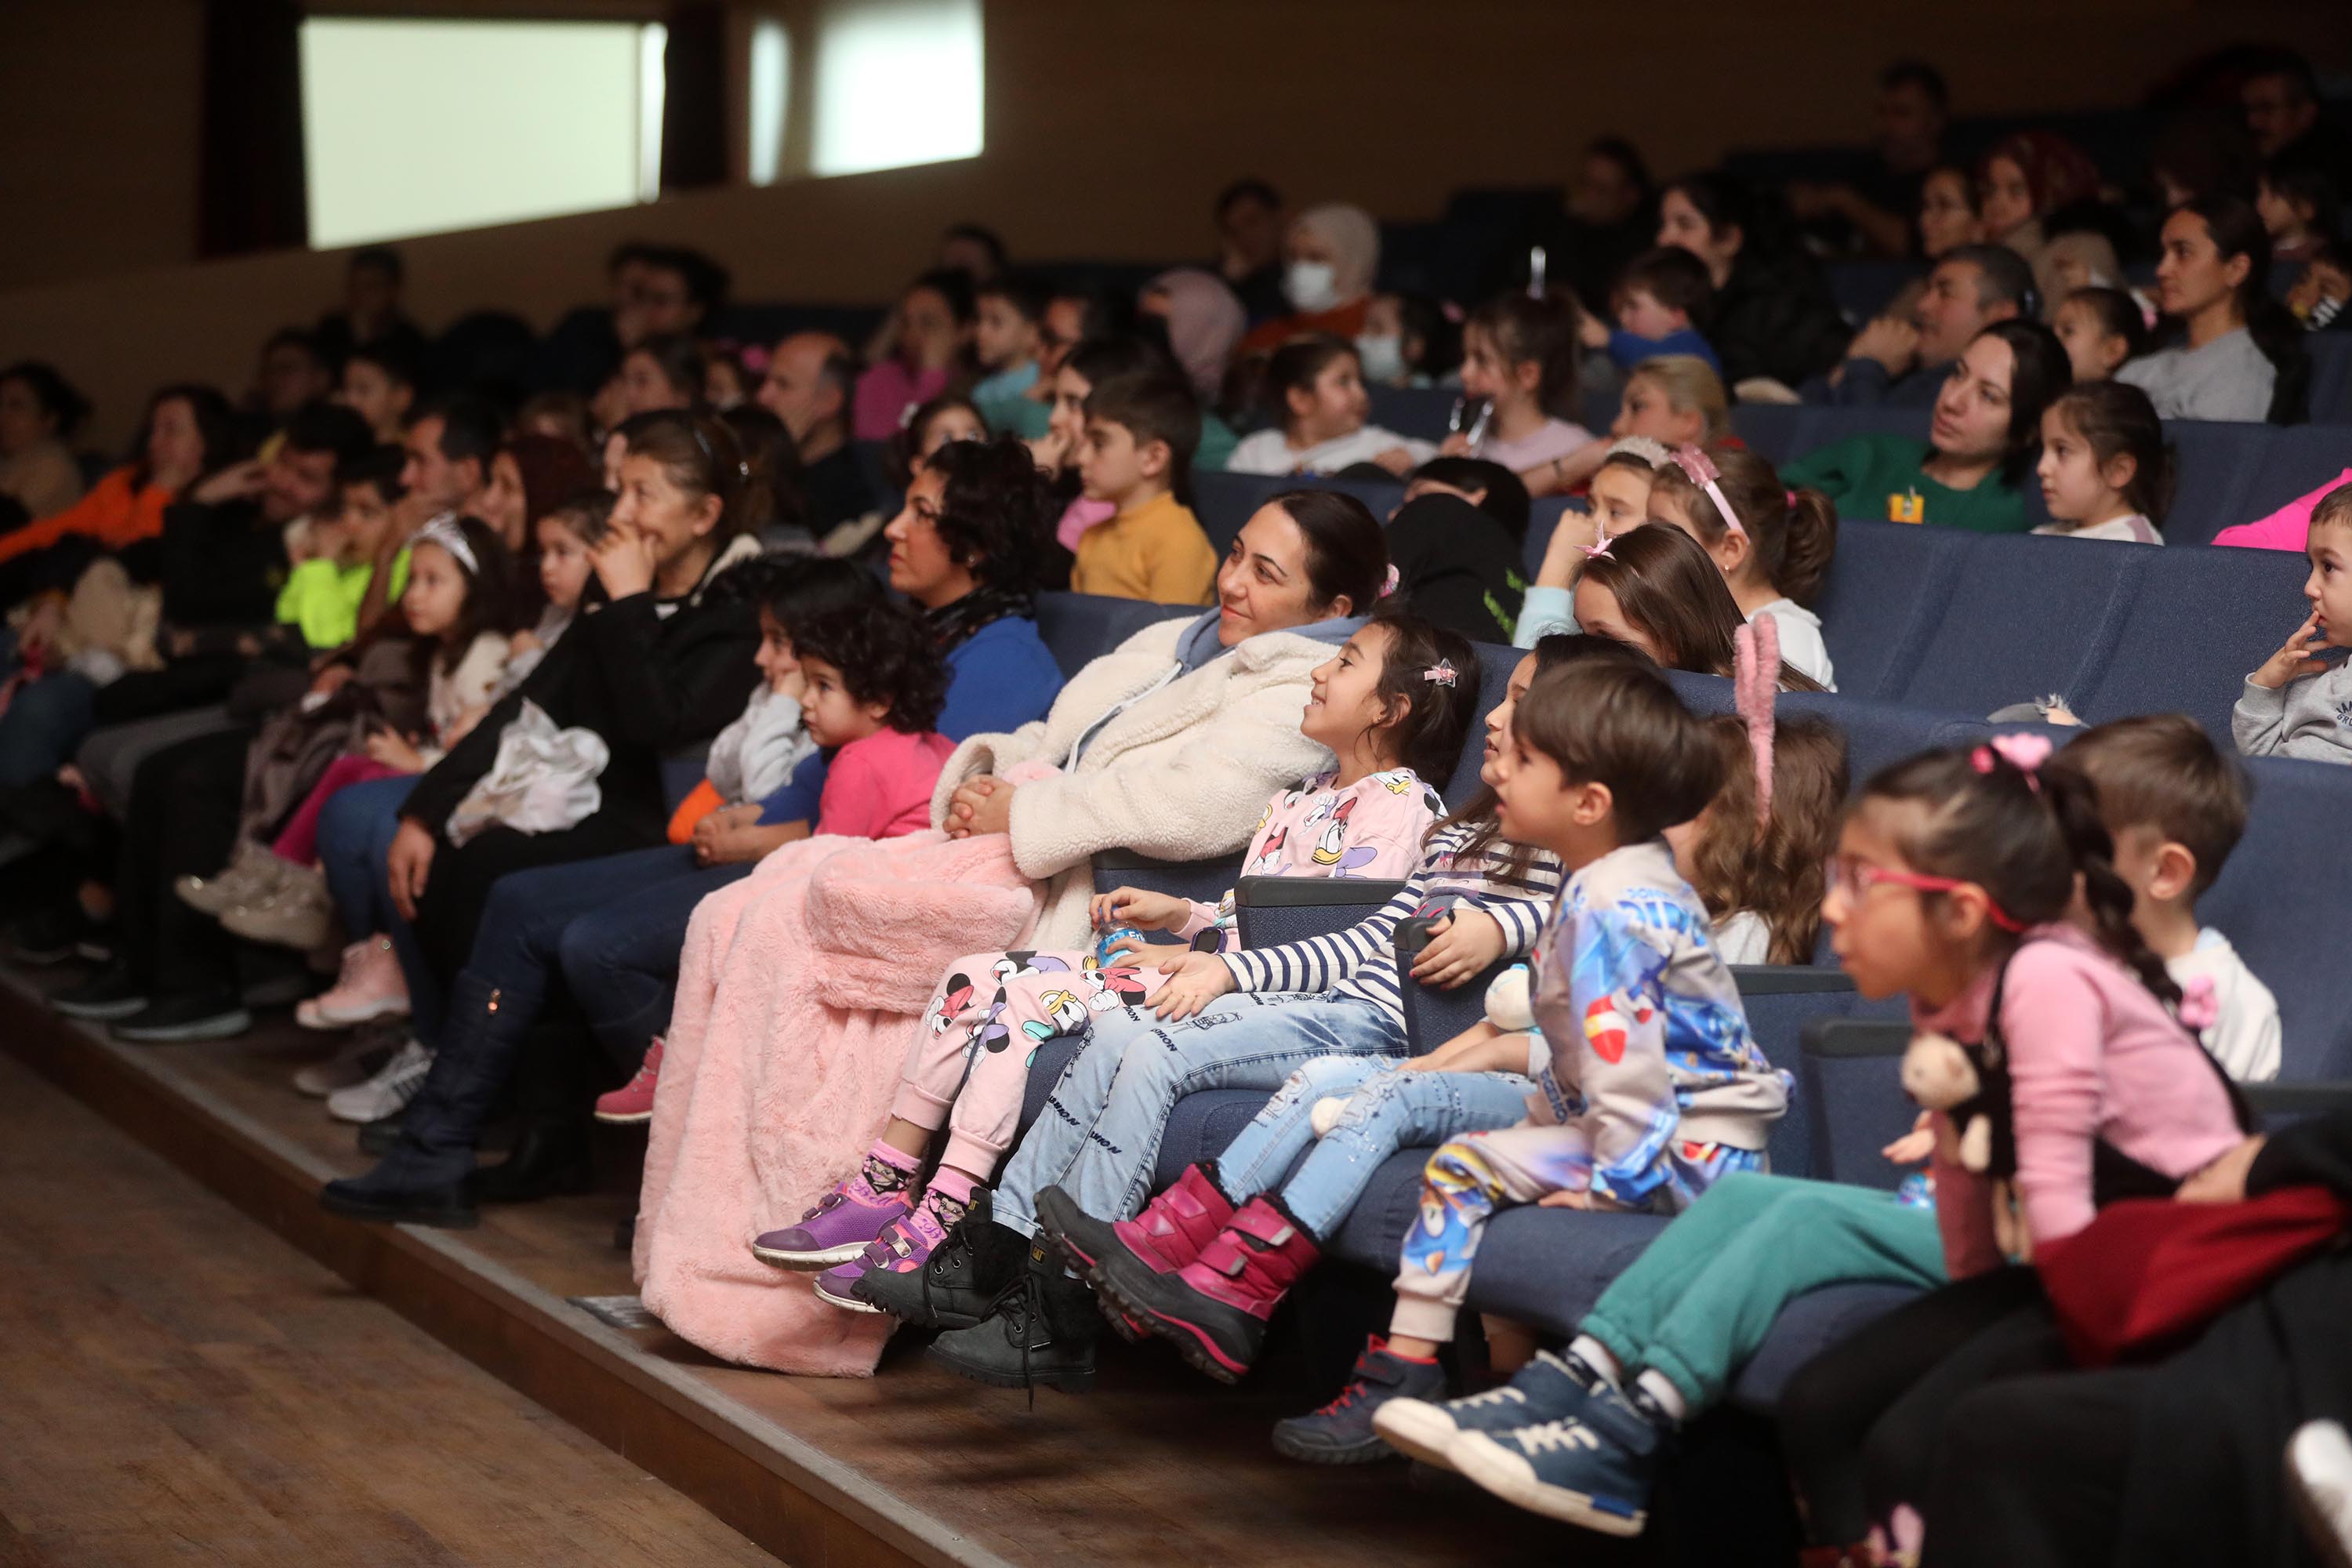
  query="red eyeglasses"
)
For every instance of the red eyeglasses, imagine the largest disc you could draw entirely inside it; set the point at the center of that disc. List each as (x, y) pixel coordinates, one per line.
(1858, 877)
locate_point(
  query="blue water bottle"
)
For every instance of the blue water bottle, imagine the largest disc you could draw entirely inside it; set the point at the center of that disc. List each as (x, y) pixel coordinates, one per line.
(1104, 957)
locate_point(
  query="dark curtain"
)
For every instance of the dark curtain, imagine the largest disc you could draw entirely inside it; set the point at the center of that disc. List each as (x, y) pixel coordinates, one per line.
(694, 105)
(250, 188)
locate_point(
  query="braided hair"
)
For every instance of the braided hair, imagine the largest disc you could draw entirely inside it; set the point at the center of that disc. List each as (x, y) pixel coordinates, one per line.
(2025, 837)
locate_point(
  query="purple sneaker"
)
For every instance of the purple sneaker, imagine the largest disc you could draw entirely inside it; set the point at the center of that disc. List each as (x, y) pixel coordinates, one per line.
(904, 1245)
(842, 1225)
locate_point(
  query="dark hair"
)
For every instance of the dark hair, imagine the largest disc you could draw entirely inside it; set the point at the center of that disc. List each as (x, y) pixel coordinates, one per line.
(1778, 871)
(1620, 151)
(1612, 722)
(381, 258)
(952, 284)
(2333, 509)
(2163, 771)
(1346, 548)
(1503, 495)
(471, 426)
(2236, 229)
(885, 654)
(908, 442)
(1294, 367)
(2119, 315)
(295, 338)
(679, 359)
(1155, 405)
(565, 408)
(2282, 61)
(1726, 202)
(1249, 188)
(2024, 838)
(379, 467)
(1429, 718)
(774, 483)
(987, 238)
(588, 516)
(2117, 419)
(1675, 278)
(53, 392)
(1793, 532)
(395, 358)
(1671, 590)
(323, 427)
(2003, 277)
(490, 593)
(1424, 315)
(706, 281)
(1918, 74)
(2039, 370)
(992, 513)
(629, 250)
(216, 420)
(1549, 653)
(1100, 360)
(2295, 181)
(699, 452)
(795, 589)
(1027, 293)
(1543, 330)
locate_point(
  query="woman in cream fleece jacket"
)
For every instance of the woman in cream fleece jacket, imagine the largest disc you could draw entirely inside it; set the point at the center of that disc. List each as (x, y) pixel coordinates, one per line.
(1169, 743)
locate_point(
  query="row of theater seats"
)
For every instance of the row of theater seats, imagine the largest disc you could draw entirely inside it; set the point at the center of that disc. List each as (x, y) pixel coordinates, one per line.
(1546, 1266)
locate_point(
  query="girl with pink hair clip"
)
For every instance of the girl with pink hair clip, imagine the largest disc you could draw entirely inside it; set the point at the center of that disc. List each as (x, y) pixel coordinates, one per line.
(1772, 544)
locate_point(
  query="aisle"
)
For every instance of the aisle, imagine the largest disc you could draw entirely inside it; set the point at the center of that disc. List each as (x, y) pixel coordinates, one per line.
(177, 1384)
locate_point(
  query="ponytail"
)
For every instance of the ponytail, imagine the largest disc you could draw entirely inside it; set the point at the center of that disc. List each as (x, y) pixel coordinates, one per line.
(1794, 533)
(1810, 544)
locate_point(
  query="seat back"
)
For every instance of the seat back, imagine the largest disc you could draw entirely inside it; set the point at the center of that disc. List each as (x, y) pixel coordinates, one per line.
(1223, 501)
(2020, 617)
(2331, 378)
(1496, 663)
(1432, 1017)
(1077, 629)
(1850, 1090)
(1272, 910)
(2273, 900)
(2195, 621)
(1420, 412)
(1543, 519)
(1878, 600)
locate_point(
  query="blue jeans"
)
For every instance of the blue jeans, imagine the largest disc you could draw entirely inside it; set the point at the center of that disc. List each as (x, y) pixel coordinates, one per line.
(355, 830)
(1099, 1137)
(44, 723)
(621, 960)
(1388, 1109)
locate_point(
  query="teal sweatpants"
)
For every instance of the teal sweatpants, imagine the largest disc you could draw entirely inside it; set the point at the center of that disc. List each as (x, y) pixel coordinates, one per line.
(1697, 1304)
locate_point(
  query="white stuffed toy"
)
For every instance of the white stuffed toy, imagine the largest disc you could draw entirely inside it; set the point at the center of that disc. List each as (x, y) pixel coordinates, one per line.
(1510, 1008)
(1938, 1074)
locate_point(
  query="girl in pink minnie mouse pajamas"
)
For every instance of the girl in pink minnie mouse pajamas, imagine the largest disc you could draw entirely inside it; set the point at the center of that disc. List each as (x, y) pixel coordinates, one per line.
(1394, 707)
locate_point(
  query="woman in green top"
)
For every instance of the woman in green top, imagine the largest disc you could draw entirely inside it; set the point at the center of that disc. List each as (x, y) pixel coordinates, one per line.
(1984, 441)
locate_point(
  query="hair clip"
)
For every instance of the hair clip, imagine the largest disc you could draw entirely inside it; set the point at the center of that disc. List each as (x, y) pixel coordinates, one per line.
(1648, 448)
(1443, 672)
(743, 468)
(443, 531)
(2022, 751)
(1389, 584)
(1600, 551)
(1700, 469)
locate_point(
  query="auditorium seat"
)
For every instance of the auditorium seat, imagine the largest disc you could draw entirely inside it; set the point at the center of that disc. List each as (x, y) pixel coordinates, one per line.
(1080, 628)
(2331, 379)
(1224, 503)
(1879, 597)
(2273, 901)
(2018, 620)
(2195, 622)
(1543, 519)
(1420, 412)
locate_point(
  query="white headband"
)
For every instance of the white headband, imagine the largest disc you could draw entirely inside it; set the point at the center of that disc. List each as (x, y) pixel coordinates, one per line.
(443, 531)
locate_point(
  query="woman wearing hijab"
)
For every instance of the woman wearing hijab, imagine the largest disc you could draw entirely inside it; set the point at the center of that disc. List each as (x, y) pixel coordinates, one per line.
(1204, 318)
(1330, 256)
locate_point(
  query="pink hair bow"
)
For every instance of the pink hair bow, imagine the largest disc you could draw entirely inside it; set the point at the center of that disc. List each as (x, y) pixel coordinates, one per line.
(2024, 753)
(1755, 683)
(2200, 1008)
(1600, 551)
(1389, 584)
(1443, 673)
(1700, 469)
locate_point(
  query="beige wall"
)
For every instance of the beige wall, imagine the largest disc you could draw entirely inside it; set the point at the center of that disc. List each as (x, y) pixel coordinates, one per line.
(1110, 124)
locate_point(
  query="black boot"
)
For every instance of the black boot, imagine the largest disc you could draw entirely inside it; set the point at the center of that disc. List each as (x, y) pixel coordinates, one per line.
(1040, 1333)
(550, 1158)
(959, 1283)
(427, 1178)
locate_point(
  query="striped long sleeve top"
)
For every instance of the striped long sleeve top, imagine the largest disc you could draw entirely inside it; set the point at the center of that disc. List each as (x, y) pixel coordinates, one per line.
(1360, 961)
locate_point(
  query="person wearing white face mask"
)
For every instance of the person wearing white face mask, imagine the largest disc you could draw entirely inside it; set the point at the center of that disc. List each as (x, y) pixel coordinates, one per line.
(1328, 258)
(1409, 340)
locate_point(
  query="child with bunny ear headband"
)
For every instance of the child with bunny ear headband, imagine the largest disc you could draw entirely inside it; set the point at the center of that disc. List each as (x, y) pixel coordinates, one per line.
(1772, 544)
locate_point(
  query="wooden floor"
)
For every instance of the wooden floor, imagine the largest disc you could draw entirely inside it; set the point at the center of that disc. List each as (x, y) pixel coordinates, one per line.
(177, 1384)
(1156, 1466)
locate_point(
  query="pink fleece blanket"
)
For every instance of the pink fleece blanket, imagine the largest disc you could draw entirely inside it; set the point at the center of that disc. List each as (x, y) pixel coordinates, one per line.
(796, 989)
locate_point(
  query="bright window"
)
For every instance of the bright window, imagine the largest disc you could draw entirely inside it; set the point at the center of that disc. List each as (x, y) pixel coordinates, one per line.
(414, 127)
(897, 82)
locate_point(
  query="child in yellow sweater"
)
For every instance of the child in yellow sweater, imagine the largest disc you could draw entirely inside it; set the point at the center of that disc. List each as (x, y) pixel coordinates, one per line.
(1141, 430)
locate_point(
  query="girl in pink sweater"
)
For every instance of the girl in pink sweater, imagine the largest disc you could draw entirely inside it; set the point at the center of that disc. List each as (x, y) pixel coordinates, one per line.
(876, 685)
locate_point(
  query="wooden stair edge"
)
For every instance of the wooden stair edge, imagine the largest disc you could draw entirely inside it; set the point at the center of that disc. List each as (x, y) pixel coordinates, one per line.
(776, 1488)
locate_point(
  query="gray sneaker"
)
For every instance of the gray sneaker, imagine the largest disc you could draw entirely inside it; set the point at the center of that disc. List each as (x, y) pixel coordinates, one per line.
(393, 1086)
(356, 1060)
(253, 870)
(297, 912)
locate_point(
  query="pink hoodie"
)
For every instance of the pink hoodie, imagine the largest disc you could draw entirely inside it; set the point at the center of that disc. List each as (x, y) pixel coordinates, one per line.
(2289, 528)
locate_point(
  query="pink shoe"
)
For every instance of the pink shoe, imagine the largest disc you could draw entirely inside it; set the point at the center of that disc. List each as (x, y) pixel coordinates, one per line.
(368, 987)
(632, 1102)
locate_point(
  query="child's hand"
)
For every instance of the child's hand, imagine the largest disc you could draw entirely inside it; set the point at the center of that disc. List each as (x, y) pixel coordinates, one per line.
(1564, 553)
(2223, 1181)
(523, 643)
(1458, 445)
(1195, 980)
(1396, 460)
(1593, 329)
(1463, 943)
(1915, 1146)
(393, 749)
(2296, 659)
(1137, 907)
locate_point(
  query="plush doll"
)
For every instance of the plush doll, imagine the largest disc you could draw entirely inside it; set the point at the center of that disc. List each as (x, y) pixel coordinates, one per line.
(1510, 1008)
(1969, 1084)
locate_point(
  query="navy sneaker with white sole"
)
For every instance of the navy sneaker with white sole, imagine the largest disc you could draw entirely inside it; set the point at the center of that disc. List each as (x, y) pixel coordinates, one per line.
(1596, 1470)
(1547, 1389)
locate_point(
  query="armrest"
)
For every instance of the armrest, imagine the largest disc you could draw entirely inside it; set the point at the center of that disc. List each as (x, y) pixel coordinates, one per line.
(1432, 1017)
(2292, 1101)
(1271, 911)
(1784, 979)
(1205, 881)
(1856, 1037)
